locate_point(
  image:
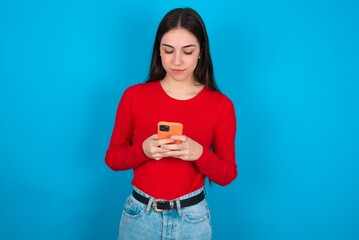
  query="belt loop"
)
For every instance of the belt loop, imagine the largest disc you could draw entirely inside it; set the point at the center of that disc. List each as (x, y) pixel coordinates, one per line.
(179, 209)
(149, 205)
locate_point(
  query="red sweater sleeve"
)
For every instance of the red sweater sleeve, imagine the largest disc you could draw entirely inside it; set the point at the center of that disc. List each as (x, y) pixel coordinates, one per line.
(219, 165)
(122, 154)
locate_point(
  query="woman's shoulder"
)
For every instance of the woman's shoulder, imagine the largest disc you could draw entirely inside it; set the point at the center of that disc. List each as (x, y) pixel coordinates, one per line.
(140, 88)
(220, 105)
(218, 97)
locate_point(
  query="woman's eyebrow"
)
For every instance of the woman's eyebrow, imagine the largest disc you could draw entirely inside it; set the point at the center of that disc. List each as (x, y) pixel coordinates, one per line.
(167, 45)
(190, 45)
(186, 46)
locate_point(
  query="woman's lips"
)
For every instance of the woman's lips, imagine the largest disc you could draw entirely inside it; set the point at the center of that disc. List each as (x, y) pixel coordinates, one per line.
(178, 71)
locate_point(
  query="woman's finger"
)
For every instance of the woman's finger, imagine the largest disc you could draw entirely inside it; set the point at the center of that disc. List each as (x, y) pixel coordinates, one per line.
(181, 138)
(172, 147)
(162, 142)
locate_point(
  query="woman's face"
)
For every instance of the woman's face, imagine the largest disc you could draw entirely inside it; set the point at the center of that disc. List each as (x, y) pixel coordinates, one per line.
(180, 51)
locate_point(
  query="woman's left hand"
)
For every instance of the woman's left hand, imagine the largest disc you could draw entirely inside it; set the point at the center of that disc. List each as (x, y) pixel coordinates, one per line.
(188, 149)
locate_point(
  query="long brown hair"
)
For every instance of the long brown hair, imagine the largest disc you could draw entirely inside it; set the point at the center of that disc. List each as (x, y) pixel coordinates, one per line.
(190, 20)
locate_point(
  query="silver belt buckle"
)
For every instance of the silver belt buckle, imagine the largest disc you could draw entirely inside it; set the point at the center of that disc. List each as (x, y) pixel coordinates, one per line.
(154, 205)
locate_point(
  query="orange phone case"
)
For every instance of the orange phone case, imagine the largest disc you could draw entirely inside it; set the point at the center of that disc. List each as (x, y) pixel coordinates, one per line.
(167, 129)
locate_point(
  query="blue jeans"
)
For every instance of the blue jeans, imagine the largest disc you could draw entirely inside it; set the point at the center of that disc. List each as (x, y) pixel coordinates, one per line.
(139, 221)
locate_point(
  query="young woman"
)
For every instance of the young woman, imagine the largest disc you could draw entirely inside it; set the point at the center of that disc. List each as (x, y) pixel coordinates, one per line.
(168, 200)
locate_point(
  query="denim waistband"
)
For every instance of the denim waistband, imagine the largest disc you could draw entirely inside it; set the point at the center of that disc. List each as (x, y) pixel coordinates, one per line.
(191, 194)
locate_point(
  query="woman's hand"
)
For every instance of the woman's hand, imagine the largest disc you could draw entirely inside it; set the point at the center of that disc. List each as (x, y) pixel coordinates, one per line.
(188, 149)
(152, 147)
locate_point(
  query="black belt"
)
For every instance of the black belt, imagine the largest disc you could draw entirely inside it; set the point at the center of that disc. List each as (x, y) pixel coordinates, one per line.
(163, 205)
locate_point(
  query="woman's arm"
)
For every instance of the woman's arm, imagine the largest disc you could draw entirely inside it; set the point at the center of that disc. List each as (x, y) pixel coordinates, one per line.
(219, 165)
(122, 154)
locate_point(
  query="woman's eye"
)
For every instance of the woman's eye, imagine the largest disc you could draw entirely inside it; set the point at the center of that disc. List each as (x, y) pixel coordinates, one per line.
(188, 53)
(168, 52)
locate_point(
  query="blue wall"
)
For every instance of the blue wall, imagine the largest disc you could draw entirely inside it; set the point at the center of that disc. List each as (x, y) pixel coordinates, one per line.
(290, 67)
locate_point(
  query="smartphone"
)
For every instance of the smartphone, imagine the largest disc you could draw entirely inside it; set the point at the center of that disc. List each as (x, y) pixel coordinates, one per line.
(167, 129)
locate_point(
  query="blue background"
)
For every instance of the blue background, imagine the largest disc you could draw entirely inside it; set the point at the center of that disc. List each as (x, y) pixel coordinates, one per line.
(290, 67)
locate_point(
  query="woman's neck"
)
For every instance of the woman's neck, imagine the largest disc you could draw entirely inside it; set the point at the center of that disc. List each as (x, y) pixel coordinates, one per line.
(181, 90)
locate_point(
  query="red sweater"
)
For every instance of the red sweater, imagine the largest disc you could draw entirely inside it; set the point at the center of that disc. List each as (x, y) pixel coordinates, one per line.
(207, 118)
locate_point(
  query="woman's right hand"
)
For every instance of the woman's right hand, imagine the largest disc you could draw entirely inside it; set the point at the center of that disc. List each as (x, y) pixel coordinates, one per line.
(152, 147)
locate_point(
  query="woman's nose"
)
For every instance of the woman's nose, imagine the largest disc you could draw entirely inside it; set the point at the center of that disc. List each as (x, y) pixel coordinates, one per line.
(177, 58)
